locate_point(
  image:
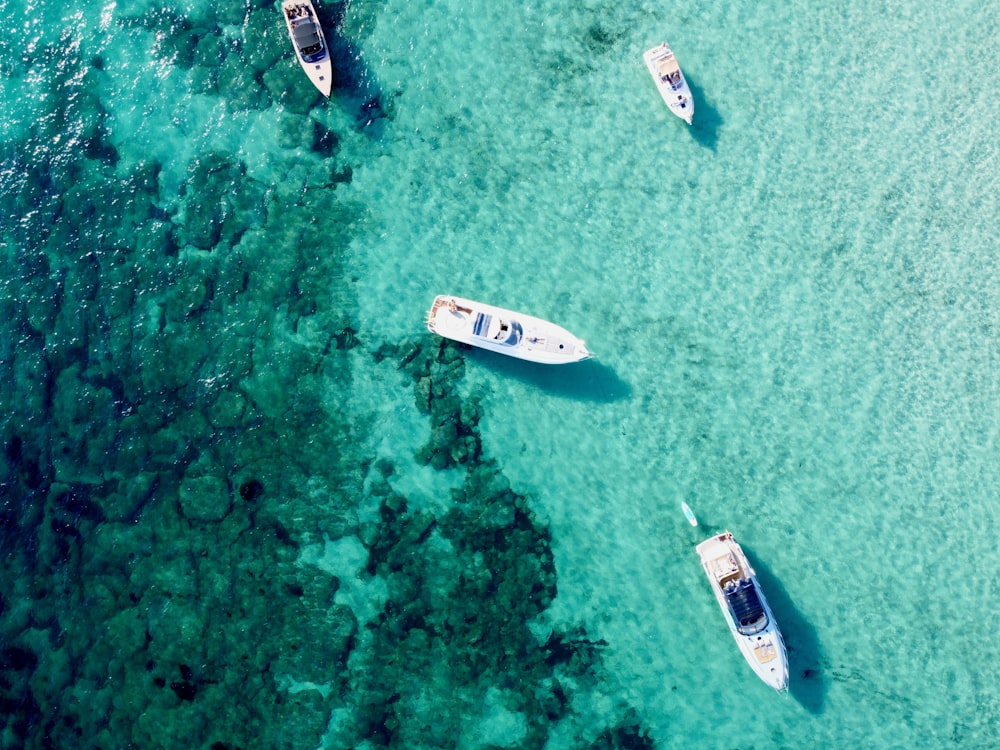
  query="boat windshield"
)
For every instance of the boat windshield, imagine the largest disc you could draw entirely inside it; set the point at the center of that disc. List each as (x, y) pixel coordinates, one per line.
(497, 330)
(509, 333)
(307, 38)
(745, 606)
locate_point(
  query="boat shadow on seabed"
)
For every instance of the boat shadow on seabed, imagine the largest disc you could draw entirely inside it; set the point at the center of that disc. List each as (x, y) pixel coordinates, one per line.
(582, 381)
(707, 120)
(805, 672)
(353, 81)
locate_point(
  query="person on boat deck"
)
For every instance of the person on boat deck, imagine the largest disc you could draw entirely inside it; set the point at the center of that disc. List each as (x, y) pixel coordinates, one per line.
(453, 307)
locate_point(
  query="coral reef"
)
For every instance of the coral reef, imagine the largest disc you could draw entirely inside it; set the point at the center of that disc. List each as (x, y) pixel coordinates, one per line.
(171, 451)
(463, 587)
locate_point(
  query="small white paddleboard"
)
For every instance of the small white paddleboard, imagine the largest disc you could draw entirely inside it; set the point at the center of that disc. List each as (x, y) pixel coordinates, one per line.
(689, 514)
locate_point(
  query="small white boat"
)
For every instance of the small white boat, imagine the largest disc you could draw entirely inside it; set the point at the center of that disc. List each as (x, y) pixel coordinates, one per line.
(689, 514)
(503, 331)
(747, 612)
(309, 43)
(670, 81)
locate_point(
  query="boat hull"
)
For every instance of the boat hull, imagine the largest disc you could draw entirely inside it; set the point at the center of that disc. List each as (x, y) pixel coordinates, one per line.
(318, 67)
(670, 81)
(725, 563)
(504, 331)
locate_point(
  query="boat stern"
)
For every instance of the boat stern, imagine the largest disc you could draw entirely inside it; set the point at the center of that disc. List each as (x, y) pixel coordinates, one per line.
(448, 317)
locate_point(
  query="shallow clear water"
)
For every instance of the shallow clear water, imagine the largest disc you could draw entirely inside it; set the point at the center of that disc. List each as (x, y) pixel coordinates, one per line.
(214, 288)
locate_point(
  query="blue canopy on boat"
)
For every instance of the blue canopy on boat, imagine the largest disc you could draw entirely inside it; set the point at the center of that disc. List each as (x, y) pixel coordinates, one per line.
(481, 326)
(747, 611)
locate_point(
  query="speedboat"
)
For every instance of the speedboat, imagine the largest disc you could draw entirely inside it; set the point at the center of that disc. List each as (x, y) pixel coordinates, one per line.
(310, 45)
(504, 331)
(747, 612)
(670, 81)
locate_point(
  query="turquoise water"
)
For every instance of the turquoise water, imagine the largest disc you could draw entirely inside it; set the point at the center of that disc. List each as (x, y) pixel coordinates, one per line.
(247, 501)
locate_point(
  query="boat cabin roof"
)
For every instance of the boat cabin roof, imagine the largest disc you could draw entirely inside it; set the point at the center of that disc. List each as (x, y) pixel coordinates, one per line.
(745, 605)
(305, 33)
(667, 65)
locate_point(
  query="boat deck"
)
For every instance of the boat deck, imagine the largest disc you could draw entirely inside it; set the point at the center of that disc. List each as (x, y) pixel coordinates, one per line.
(726, 570)
(504, 331)
(446, 303)
(765, 651)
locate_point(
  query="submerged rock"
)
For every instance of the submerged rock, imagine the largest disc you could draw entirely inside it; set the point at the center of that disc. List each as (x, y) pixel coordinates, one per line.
(270, 44)
(241, 86)
(289, 86)
(204, 499)
(212, 180)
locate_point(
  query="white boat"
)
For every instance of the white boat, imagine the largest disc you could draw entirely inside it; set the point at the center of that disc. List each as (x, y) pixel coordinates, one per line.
(504, 331)
(309, 43)
(747, 612)
(670, 81)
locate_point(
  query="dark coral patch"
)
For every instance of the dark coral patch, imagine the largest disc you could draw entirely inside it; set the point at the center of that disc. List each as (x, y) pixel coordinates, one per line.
(185, 691)
(251, 490)
(17, 659)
